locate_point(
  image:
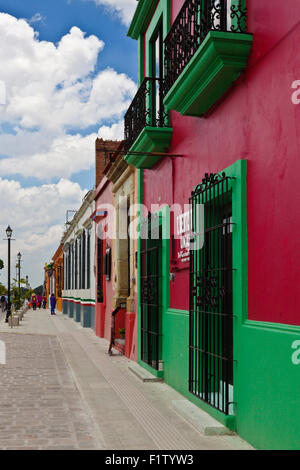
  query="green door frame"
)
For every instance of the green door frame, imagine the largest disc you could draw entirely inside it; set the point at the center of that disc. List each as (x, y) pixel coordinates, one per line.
(164, 215)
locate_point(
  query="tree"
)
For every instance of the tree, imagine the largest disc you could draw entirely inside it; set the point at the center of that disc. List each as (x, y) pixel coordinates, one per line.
(1, 264)
(3, 290)
(22, 281)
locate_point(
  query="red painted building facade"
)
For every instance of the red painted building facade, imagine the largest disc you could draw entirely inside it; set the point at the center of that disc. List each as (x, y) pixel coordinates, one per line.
(114, 252)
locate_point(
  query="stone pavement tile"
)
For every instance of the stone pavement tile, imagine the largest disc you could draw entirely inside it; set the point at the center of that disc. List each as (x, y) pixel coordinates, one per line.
(100, 404)
(33, 386)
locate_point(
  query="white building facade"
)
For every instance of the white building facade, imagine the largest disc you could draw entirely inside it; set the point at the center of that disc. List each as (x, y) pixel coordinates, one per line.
(79, 274)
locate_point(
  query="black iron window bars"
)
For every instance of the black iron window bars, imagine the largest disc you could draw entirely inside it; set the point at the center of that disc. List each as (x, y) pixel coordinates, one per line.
(146, 109)
(150, 279)
(211, 290)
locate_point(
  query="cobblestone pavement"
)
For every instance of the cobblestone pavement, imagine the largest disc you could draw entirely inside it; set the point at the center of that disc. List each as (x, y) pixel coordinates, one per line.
(40, 407)
(59, 389)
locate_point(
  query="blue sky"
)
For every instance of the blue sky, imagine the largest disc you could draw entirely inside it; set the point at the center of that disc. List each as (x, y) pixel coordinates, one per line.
(70, 74)
(60, 15)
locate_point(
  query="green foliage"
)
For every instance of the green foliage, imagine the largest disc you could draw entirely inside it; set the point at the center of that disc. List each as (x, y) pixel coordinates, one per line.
(16, 297)
(3, 290)
(122, 332)
(1, 264)
(28, 293)
(22, 281)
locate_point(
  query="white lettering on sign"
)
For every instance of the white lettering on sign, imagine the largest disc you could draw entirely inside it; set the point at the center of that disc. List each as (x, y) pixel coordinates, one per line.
(2, 353)
(296, 94)
(296, 354)
(185, 234)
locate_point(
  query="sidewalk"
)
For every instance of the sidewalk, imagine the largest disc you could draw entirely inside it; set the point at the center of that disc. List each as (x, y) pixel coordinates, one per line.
(61, 390)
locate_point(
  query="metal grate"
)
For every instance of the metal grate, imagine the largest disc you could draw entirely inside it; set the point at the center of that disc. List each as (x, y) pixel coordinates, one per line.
(211, 317)
(194, 21)
(150, 257)
(146, 109)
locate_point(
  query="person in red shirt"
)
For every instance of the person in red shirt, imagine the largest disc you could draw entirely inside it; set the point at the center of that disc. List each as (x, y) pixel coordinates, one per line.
(33, 301)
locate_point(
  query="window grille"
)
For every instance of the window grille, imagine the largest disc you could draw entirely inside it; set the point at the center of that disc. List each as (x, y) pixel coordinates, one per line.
(211, 306)
(150, 278)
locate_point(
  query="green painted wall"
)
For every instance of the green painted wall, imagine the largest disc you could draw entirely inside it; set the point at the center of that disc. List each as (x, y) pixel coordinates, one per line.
(268, 385)
(267, 379)
(176, 360)
(176, 340)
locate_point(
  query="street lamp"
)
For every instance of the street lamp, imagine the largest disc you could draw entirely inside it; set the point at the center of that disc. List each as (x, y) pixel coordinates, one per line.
(8, 234)
(19, 256)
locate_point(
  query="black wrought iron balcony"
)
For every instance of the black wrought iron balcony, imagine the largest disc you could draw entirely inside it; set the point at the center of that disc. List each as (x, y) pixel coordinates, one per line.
(146, 110)
(193, 23)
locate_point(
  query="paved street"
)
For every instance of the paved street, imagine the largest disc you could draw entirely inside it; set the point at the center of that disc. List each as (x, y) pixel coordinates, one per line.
(60, 390)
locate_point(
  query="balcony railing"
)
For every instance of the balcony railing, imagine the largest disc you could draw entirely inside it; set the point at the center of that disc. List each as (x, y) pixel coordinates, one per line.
(146, 109)
(194, 21)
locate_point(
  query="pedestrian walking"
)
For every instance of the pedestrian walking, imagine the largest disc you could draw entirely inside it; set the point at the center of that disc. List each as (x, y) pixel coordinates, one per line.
(3, 303)
(52, 304)
(39, 300)
(33, 301)
(44, 301)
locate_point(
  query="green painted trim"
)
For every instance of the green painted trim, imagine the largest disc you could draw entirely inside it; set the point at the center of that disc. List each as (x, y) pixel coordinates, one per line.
(227, 420)
(141, 17)
(79, 299)
(162, 13)
(140, 59)
(268, 371)
(176, 334)
(139, 247)
(164, 215)
(151, 139)
(176, 322)
(156, 373)
(279, 327)
(238, 171)
(177, 311)
(219, 61)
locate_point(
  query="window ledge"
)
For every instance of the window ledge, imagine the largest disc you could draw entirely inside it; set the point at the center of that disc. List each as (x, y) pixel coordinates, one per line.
(151, 139)
(219, 61)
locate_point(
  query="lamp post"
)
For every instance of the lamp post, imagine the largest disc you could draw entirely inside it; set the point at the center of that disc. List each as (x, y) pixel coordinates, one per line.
(8, 235)
(19, 256)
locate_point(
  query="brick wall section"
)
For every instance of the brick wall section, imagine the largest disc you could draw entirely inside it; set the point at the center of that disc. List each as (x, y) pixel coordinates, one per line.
(110, 146)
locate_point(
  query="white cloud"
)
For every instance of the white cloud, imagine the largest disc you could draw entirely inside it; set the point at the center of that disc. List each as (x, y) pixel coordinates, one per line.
(124, 8)
(53, 94)
(36, 215)
(51, 89)
(114, 132)
(66, 155)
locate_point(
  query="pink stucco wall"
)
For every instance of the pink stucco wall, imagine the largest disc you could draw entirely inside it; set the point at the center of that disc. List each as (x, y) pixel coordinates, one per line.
(256, 121)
